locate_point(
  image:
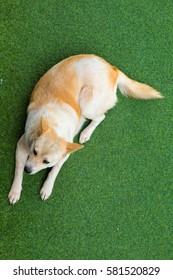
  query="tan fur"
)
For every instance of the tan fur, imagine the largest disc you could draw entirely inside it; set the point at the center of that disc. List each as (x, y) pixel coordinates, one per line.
(44, 125)
(57, 87)
(78, 88)
(113, 75)
(135, 89)
(72, 147)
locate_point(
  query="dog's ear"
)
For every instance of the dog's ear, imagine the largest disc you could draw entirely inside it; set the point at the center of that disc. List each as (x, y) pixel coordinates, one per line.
(72, 147)
(44, 125)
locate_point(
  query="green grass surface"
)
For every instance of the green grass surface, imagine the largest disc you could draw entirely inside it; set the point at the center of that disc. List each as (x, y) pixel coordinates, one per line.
(114, 198)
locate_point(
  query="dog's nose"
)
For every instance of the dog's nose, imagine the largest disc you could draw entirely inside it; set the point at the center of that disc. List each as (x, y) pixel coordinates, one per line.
(27, 169)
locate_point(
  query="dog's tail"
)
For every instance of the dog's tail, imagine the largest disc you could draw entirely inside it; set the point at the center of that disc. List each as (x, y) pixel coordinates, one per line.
(135, 89)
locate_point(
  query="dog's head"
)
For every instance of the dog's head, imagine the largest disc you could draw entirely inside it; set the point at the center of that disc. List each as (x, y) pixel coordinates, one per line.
(48, 149)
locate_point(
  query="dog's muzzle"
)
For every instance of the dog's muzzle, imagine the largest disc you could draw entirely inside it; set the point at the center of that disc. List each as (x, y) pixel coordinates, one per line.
(27, 170)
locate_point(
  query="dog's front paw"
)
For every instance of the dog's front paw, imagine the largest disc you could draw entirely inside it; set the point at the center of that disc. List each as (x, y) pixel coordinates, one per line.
(14, 195)
(46, 190)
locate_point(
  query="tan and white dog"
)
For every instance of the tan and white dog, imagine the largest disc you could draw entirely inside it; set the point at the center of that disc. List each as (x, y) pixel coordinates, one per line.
(78, 88)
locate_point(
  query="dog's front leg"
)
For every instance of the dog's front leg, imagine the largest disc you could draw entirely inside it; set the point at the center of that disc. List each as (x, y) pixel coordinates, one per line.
(46, 190)
(21, 157)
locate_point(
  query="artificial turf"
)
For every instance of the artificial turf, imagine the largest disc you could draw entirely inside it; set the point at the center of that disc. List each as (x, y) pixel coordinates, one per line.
(114, 198)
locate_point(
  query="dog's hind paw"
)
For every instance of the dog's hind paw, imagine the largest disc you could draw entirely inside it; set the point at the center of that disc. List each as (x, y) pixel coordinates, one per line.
(84, 136)
(14, 196)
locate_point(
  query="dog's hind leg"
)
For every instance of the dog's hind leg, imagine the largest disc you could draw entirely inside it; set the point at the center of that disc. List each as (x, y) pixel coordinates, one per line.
(94, 103)
(87, 132)
(21, 157)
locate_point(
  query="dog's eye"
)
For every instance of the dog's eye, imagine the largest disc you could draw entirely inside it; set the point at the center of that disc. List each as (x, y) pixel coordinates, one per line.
(46, 161)
(35, 152)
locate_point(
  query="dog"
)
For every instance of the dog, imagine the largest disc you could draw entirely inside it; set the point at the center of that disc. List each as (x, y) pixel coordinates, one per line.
(78, 88)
